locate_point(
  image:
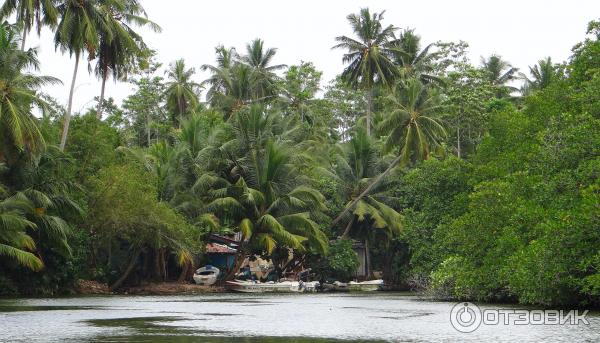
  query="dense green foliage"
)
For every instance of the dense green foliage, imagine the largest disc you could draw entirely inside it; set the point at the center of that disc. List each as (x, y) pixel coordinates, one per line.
(454, 180)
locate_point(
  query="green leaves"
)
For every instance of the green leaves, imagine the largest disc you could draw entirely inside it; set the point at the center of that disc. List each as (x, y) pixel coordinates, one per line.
(15, 243)
(414, 125)
(369, 57)
(18, 96)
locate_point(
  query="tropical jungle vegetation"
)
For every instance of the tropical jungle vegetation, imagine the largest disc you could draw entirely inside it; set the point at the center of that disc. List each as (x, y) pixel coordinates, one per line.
(470, 180)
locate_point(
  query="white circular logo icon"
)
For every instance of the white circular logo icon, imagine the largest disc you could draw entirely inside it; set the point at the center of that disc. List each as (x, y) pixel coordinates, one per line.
(465, 317)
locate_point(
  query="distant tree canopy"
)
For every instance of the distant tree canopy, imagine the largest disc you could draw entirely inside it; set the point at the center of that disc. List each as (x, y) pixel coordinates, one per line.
(455, 179)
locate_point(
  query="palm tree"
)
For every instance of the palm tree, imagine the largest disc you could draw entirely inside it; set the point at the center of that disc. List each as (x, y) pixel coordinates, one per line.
(356, 164)
(120, 46)
(220, 73)
(18, 93)
(414, 62)
(270, 203)
(77, 32)
(542, 74)
(370, 55)
(36, 182)
(499, 72)
(30, 13)
(15, 243)
(231, 84)
(181, 91)
(259, 59)
(413, 127)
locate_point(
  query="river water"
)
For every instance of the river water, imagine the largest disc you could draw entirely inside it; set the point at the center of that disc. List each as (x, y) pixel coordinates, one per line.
(376, 317)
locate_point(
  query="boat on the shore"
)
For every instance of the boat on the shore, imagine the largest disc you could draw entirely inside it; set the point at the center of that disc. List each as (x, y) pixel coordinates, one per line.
(352, 286)
(206, 275)
(271, 287)
(335, 286)
(365, 286)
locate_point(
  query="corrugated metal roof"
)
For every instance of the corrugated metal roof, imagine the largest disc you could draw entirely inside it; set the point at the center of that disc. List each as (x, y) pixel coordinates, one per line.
(215, 248)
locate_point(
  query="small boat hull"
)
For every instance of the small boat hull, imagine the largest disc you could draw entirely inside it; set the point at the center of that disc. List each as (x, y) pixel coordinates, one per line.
(206, 276)
(270, 287)
(365, 286)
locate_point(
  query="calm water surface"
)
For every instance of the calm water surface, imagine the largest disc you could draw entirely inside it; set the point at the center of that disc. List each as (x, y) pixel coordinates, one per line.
(376, 317)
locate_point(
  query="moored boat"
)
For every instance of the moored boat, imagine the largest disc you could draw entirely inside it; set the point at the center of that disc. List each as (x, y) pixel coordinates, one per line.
(335, 286)
(365, 286)
(271, 287)
(352, 286)
(206, 275)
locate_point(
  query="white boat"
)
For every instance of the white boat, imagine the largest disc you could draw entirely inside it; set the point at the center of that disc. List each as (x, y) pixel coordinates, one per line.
(206, 275)
(271, 287)
(365, 286)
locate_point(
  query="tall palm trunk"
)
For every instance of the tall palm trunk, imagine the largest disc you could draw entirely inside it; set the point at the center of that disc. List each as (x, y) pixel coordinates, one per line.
(181, 104)
(369, 101)
(348, 227)
(104, 77)
(148, 127)
(24, 38)
(67, 119)
(368, 267)
(458, 142)
(367, 190)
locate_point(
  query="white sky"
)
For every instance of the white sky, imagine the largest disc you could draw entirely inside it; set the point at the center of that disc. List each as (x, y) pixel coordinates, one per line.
(521, 31)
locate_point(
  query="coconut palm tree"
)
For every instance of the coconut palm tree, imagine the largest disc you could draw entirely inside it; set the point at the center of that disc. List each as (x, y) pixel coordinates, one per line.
(264, 77)
(41, 183)
(218, 82)
(30, 13)
(413, 129)
(181, 91)
(119, 47)
(414, 62)
(231, 85)
(268, 201)
(499, 73)
(369, 55)
(356, 164)
(15, 243)
(18, 94)
(542, 75)
(77, 33)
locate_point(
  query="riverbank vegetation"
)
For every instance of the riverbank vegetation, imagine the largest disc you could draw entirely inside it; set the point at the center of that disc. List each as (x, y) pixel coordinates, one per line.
(472, 180)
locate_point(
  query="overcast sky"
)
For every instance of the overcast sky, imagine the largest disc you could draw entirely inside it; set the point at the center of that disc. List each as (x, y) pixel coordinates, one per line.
(521, 31)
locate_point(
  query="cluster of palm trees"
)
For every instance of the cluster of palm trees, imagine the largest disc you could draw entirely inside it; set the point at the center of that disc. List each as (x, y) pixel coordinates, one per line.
(256, 168)
(102, 29)
(379, 60)
(238, 80)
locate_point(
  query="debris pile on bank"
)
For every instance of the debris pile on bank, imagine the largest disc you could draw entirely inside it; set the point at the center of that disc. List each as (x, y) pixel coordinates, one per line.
(91, 287)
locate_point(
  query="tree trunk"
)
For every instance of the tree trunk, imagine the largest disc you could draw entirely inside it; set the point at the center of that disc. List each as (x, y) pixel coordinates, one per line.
(24, 37)
(185, 272)
(128, 271)
(348, 227)
(458, 142)
(239, 259)
(99, 110)
(148, 126)
(157, 269)
(368, 267)
(367, 190)
(67, 119)
(369, 100)
(160, 265)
